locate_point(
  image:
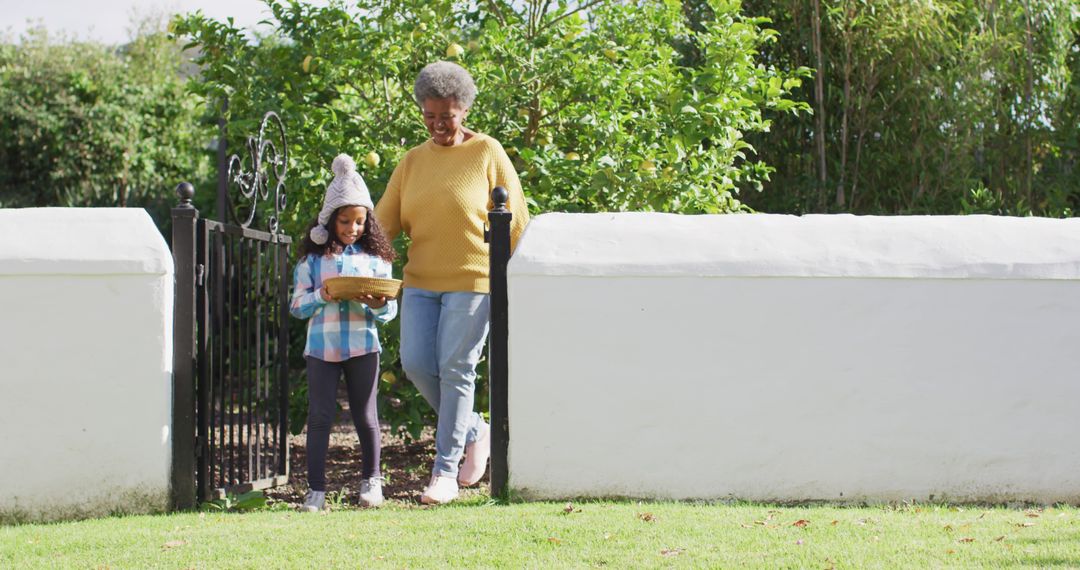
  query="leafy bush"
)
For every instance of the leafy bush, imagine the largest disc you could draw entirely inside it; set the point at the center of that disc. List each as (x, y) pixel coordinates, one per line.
(922, 101)
(83, 124)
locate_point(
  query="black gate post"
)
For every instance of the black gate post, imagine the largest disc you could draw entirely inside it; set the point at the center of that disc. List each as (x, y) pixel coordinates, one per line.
(499, 238)
(185, 219)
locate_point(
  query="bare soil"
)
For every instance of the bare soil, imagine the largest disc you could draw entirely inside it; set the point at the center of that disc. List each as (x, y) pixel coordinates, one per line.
(406, 465)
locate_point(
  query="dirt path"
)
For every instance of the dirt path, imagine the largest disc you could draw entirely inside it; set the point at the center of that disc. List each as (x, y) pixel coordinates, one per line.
(406, 465)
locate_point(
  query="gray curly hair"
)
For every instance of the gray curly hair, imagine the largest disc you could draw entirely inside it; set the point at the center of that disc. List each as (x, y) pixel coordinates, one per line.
(445, 80)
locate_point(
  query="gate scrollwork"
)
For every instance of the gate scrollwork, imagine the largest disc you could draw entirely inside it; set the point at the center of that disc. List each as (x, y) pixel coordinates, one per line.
(268, 159)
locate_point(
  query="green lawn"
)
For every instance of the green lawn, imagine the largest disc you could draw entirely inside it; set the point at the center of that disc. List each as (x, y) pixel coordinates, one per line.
(475, 533)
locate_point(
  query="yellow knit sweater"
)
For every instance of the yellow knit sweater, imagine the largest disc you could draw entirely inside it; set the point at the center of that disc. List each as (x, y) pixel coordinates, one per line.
(439, 196)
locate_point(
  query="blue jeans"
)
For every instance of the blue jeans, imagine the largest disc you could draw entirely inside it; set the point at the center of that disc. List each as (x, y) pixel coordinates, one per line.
(442, 338)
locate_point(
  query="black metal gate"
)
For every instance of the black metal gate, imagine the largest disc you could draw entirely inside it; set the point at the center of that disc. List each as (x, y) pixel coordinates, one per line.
(230, 400)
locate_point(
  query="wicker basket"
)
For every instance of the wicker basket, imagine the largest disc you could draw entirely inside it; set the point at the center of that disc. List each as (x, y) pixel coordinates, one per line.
(353, 287)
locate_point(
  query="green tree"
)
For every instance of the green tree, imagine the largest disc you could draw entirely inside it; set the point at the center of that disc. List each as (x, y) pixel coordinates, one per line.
(924, 103)
(84, 124)
(602, 105)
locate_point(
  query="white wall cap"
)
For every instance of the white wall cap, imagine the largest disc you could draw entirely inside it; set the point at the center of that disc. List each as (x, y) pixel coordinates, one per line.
(81, 241)
(819, 245)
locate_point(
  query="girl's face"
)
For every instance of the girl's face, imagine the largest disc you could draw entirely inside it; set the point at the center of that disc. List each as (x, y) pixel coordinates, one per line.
(349, 223)
(443, 118)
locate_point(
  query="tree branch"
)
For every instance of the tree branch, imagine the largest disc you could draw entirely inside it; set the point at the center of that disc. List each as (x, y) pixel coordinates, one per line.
(584, 6)
(498, 13)
(554, 112)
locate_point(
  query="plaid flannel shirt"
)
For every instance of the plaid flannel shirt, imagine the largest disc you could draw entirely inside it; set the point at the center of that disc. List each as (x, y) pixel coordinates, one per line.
(338, 331)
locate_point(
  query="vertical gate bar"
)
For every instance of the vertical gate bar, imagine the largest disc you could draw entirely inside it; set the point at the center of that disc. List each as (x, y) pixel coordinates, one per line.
(498, 370)
(271, 363)
(241, 379)
(252, 337)
(282, 323)
(254, 382)
(226, 358)
(271, 370)
(270, 344)
(230, 359)
(219, 347)
(260, 407)
(283, 360)
(257, 384)
(249, 340)
(234, 369)
(182, 477)
(205, 360)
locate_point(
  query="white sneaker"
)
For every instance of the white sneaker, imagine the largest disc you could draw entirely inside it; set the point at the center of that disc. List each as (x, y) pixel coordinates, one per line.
(314, 502)
(440, 491)
(371, 492)
(476, 459)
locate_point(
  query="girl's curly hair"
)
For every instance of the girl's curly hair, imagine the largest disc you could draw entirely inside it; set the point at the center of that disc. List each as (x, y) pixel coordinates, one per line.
(373, 241)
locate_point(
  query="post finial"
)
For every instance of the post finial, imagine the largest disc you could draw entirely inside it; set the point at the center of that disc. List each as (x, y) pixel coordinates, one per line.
(499, 196)
(186, 192)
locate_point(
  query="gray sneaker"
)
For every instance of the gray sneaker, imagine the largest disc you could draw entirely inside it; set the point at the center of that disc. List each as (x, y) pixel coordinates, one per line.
(314, 502)
(371, 492)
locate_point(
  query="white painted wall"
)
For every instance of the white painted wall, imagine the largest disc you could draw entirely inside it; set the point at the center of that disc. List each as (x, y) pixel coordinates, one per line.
(768, 357)
(86, 298)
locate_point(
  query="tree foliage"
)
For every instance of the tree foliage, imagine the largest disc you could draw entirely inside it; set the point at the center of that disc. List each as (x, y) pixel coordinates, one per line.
(83, 124)
(602, 106)
(929, 107)
(594, 104)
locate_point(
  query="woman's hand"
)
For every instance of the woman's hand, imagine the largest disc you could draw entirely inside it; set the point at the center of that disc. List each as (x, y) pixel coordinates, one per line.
(373, 302)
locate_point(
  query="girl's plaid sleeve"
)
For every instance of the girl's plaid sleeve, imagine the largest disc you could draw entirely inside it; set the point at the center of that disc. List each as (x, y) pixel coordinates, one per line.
(305, 298)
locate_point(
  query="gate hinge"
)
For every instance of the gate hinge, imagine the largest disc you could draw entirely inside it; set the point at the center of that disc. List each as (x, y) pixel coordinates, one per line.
(199, 270)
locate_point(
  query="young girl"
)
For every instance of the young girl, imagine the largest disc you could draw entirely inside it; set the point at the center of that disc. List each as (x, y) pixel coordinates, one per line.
(345, 239)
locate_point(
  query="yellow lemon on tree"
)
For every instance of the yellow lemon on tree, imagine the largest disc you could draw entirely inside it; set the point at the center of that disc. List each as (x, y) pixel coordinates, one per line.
(306, 66)
(371, 159)
(572, 156)
(611, 54)
(454, 50)
(647, 166)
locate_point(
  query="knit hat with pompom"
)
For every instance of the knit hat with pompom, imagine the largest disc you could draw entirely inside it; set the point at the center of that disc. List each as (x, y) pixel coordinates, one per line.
(346, 189)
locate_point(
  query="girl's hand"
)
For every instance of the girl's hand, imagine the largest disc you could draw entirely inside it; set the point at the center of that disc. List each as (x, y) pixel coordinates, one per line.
(325, 292)
(373, 302)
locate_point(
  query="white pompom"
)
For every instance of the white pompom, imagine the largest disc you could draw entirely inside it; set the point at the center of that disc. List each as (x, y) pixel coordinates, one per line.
(319, 235)
(343, 164)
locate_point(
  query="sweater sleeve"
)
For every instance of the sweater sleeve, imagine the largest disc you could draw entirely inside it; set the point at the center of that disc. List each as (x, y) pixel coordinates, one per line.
(388, 210)
(504, 174)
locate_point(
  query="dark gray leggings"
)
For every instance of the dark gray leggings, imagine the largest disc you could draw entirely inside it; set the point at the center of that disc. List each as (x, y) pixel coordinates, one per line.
(361, 380)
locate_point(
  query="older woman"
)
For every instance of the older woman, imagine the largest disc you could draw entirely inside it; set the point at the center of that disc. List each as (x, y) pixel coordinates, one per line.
(439, 196)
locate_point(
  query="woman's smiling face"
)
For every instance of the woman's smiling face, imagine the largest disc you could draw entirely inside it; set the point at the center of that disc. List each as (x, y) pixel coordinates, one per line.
(443, 118)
